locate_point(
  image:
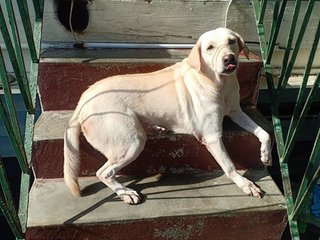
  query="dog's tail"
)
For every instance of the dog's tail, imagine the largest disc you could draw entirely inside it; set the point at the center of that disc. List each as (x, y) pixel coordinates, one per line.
(71, 156)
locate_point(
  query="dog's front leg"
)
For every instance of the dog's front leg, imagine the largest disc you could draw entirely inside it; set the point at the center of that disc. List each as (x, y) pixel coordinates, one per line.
(218, 151)
(244, 121)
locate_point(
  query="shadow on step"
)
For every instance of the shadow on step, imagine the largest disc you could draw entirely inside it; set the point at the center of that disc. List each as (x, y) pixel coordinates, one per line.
(178, 187)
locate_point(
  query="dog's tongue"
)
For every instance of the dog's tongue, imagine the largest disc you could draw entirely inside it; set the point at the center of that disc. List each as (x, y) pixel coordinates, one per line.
(231, 67)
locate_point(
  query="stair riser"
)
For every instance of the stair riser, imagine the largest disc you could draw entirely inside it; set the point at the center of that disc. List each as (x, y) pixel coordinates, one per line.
(175, 154)
(61, 84)
(257, 225)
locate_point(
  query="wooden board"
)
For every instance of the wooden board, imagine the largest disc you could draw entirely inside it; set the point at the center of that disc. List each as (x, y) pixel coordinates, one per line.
(165, 21)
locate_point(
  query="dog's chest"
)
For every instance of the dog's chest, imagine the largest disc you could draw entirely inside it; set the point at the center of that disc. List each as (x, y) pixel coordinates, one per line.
(231, 96)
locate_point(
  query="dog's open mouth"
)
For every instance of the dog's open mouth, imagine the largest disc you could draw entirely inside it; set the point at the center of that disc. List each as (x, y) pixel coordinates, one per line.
(230, 68)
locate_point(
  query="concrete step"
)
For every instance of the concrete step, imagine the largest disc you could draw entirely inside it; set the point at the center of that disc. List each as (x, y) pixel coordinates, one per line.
(199, 206)
(170, 153)
(65, 73)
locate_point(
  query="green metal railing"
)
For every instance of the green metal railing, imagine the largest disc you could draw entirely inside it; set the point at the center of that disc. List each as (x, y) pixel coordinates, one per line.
(17, 217)
(298, 205)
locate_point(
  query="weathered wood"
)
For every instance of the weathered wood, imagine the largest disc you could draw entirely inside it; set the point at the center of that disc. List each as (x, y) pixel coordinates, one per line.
(165, 21)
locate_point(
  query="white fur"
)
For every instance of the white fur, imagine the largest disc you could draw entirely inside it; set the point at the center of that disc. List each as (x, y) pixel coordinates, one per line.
(190, 97)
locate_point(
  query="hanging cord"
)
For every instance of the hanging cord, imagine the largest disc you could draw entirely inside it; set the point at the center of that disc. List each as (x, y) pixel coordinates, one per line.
(226, 14)
(77, 43)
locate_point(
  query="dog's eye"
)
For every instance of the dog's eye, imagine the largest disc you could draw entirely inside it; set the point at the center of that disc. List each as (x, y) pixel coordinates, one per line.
(232, 41)
(210, 47)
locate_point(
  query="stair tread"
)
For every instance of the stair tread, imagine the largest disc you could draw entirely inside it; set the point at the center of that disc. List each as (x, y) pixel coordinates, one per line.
(51, 203)
(169, 153)
(52, 124)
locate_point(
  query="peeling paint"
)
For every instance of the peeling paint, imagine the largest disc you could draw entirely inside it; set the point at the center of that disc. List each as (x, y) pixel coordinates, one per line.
(177, 153)
(180, 231)
(88, 172)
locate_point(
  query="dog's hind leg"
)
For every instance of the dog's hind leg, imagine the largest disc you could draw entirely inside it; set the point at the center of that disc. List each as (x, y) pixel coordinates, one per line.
(107, 174)
(121, 139)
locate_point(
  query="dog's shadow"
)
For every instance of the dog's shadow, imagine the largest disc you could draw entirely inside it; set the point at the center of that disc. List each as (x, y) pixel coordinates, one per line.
(92, 189)
(184, 180)
(166, 179)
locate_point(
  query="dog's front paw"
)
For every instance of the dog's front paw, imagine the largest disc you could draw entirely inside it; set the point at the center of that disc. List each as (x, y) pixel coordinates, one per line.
(265, 154)
(247, 186)
(252, 189)
(129, 196)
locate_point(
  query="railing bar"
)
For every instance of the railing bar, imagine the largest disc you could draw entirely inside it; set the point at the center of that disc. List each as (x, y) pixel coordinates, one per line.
(37, 8)
(19, 225)
(23, 82)
(270, 83)
(289, 41)
(296, 47)
(18, 50)
(13, 123)
(24, 13)
(274, 19)
(24, 200)
(293, 225)
(9, 100)
(302, 91)
(41, 2)
(262, 11)
(307, 184)
(312, 96)
(260, 26)
(16, 38)
(29, 131)
(14, 225)
(25, 178)
(263, 47)
(263, 43)
(15, 144)
(275, 30)
(35, 66)
(277, 128)
(9, 202)
(4, 182)
(278, 133)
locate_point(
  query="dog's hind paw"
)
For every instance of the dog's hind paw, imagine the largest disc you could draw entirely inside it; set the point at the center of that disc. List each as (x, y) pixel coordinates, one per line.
(129, 196)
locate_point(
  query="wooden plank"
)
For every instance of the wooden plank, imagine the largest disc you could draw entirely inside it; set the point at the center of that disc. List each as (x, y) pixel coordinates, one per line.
(141, 21)
(165, 21)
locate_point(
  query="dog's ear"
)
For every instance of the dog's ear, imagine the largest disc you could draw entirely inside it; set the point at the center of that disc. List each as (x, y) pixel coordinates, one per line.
(243, 46)
(194, 58)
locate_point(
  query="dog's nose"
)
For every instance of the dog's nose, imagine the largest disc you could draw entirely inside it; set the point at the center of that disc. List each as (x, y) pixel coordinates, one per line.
(229, 59)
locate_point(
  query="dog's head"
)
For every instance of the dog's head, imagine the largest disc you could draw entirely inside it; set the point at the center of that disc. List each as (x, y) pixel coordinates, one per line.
(218, 51)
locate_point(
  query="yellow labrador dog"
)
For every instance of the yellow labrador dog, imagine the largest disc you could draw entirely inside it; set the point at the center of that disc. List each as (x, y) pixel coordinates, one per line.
(190, 97)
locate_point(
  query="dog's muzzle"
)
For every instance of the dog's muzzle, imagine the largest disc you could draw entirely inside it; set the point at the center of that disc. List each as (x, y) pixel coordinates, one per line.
(230, 64)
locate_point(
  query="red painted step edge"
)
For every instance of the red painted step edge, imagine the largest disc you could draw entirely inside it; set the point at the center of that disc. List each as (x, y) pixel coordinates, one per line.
(175, 154)
(61, 84)
(257, 225)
